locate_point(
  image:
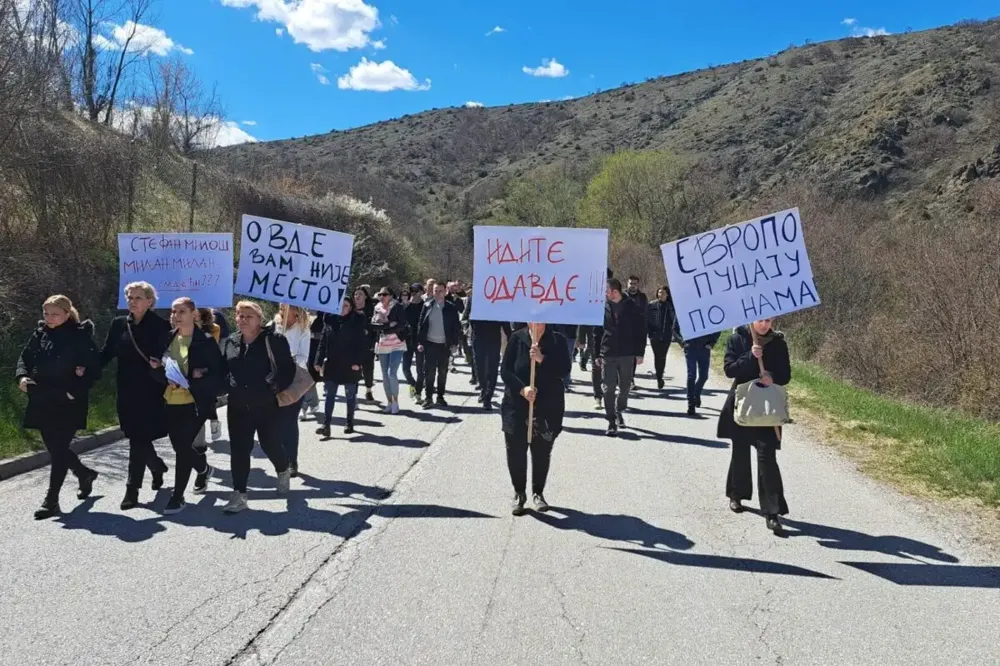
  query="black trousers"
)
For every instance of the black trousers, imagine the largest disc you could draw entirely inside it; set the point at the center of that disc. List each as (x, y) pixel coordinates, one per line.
(183, 425)
(265, 422)
(420, 359)
(142, 454)
(408, 367)
(486, 353)
(57, 439)
(660, 349)
(436, 358)
(368, 368)
(597, 379)
(517, 462)
(739, 484)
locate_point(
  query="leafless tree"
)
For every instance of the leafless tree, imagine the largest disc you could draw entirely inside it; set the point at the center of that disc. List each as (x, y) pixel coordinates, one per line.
(103, 66)
(184, 115)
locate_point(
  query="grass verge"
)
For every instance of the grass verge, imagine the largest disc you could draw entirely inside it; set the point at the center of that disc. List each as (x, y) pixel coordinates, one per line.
(15, 440)
(916, 448)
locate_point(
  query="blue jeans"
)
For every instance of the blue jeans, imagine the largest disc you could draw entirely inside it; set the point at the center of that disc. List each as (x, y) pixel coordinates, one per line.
(390, 372)
(351, 394)
(289, 424)
(697, 363)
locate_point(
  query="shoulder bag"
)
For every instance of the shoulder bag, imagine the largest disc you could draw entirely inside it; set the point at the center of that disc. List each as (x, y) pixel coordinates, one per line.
(759, 406)
(301, 383)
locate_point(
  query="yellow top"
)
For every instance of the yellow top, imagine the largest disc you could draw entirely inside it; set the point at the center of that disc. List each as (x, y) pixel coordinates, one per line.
(179, 349)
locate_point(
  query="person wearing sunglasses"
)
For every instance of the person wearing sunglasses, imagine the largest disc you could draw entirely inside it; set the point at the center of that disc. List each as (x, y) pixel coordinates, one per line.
(389, 321)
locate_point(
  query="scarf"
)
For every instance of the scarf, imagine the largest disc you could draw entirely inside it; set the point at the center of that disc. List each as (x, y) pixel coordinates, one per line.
(767, 338)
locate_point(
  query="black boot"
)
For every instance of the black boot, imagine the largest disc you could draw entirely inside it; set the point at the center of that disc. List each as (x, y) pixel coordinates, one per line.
(324, 430)
(49, 509)
(86, 484)
(774, 524)
(158, 478)
(349, 428)
(131, 499)
(517, 506)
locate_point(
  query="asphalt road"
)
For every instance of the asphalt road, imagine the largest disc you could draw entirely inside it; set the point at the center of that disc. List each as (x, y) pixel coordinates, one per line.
(398, 547)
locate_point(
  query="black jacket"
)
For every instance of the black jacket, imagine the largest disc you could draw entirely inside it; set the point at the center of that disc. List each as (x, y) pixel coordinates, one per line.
(206, 355)
(315, 338)
(624, 334)
(221, 322)
(412, 312)
(641, 300)
(742, 367)
(344, 345)
(252, 384)
(452, 325)
(550, 400)
(660, 318)
(140, 388)
(50, 359)
(487, 332)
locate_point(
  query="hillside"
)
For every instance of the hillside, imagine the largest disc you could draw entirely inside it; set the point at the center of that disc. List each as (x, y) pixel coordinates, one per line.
(905, 118)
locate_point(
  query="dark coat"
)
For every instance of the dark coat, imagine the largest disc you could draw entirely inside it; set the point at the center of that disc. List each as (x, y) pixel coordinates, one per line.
(204, 354)
(660, 318)
(221, 322)
(486, 332)
(140, 388)
(315, 338)
(640, 299)
(624, 335)
(50, 359)
(742, 367)
(252, 382)
(452, 325)
(550, 400)
(412, 312)
(344, 345)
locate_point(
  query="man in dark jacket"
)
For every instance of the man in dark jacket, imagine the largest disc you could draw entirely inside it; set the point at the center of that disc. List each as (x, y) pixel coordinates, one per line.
(438, 334)
(698, 355)
(660, 318)
(413, 309)
(486, 337)
(623, 345)
(642, 301)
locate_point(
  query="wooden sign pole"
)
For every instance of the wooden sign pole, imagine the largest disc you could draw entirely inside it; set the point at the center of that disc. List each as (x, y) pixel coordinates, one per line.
(531, 405)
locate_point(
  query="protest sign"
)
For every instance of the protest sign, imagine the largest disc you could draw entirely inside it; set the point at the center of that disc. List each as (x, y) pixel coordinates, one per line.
(196, 265)
(540, 274)
(285, 262)
(731, 276)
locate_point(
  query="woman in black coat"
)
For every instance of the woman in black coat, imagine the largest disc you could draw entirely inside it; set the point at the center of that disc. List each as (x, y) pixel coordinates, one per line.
(364, 304)
(552, 362)
(339, 362)
(57, 368)
(135, 340)
(199, 360)
(741, 365)
(259, 364)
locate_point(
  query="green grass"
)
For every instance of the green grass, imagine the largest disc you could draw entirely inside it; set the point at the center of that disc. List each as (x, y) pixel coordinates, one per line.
(940, 449)
(15, 440)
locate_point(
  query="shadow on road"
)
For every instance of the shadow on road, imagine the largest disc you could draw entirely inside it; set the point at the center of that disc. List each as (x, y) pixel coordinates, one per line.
(615, 527)
(932, 575)
(726, 563)
(389, 440)
(843, 539)
(674, 438)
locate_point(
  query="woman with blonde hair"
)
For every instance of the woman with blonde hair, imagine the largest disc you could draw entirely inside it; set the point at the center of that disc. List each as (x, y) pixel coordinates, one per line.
(57, 368)
(293, 322)
(135, 340)
(192, 366)
(260, 366)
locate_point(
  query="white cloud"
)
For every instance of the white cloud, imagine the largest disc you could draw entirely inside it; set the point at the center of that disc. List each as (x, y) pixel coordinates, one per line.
(280, 32)
(849, 21)
(321, 25)
(473, 105)
(319, 70)
(551, 68)
(378, 45)
(870, 32)
(249, 123)
(139, 38)
(228, 133)
(495, 31)
(380, 77)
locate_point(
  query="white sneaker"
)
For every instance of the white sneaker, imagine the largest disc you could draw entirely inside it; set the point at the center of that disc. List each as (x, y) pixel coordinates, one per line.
(395, 407)
(284, 481)
(388, 408)
(216, 430)
(237, 503)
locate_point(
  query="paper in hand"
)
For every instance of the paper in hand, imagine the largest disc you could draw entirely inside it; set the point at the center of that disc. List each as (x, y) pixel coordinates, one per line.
(174, 374)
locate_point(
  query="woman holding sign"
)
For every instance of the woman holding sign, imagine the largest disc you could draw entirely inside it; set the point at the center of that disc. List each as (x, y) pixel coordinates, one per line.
(745, 350)
(546, 350)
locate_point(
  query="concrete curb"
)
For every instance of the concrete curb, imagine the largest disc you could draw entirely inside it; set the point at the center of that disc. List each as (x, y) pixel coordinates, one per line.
(31, 461)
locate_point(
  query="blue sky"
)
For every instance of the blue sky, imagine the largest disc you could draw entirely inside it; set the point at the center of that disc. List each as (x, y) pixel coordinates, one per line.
(289, 68)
